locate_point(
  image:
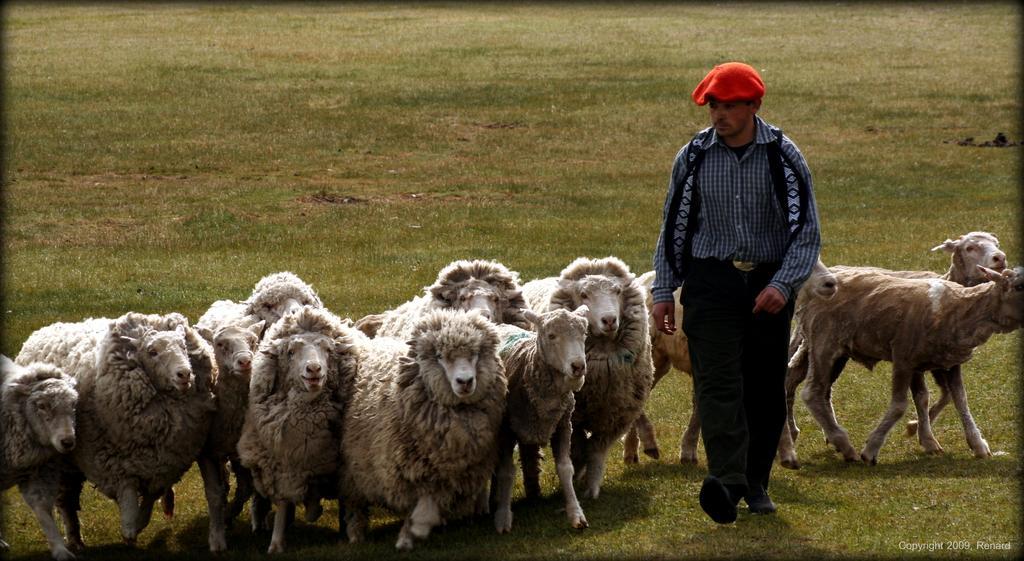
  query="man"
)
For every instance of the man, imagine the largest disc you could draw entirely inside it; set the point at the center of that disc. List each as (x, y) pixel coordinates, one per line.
(740, 235)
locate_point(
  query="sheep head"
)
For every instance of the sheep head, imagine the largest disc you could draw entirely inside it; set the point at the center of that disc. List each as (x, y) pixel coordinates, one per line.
(561, 339)
(234, 347)
(822, 283)
(968, 252)
(279, 294)
(1010, 282)
(307, 348)
(456, 354)
(48, 399)
(601, 285)
(472, 294)
(164, 357)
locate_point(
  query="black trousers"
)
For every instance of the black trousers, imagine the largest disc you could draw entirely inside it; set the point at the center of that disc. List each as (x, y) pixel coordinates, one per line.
(739, 368)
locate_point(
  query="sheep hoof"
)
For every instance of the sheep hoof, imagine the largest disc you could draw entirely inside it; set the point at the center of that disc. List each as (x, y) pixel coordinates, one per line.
(790, 463)
(688, 457)
(982, 451)
(503, 521)
(62, 554)
(652, 453)
(933, 448)
(404, 543)
(76, 545)
(580, 522)
(870, 460)
(911, 428)
(630, 458)
(218, 544)
(275, 548)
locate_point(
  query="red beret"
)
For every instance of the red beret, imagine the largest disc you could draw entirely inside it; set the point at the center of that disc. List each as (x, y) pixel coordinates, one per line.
(732, 81)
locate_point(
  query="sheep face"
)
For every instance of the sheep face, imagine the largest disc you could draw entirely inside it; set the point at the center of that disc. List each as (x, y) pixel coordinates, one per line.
(453, 351)
(974, 249)
(270, 312)
(234, 347)
(474, 294)
(307, 357)
(50, 410)
(822, 283)
(561, 338)
(1011, 281)
(603, 297)
(163, 355)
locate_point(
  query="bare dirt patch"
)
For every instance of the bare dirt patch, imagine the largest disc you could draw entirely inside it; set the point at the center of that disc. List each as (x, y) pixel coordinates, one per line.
(1000, 141)
(330, 199)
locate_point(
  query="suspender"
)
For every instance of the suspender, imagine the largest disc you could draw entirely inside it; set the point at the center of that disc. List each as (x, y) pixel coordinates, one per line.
(790, 189)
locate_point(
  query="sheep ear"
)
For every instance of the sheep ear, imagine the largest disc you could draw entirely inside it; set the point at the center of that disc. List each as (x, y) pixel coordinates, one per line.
(342, 345)
(582, 311)
(532, 317)
(257, 328)
(994, 276)
(949, 245)
(444, 294)
(205, 333)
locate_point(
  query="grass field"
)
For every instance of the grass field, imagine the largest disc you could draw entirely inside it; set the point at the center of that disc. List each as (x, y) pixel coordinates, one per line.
(160, 157)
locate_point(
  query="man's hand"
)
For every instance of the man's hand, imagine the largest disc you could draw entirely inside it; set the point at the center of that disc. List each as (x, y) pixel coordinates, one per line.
(665, 317)
(770, 300)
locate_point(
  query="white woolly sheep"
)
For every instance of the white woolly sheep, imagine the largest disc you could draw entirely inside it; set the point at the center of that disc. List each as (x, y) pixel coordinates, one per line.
(233, 347)
(486, 286)
(273, 296)
(37, 413)
(420, 432)
(966, 253)
(291, 434)
(144, 408)
(619, 368)
(918, 324)
(543, 370)
(672, 351)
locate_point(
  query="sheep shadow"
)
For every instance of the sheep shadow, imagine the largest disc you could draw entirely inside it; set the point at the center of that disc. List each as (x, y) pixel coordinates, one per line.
(829, 463)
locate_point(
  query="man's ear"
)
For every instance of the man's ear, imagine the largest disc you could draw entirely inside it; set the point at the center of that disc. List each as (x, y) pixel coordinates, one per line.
(755, 105)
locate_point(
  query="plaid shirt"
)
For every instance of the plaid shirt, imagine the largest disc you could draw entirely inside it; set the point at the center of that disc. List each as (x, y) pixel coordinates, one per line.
(740, 217)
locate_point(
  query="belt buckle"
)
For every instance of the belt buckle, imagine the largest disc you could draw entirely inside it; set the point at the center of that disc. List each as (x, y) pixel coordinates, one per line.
(745, 266)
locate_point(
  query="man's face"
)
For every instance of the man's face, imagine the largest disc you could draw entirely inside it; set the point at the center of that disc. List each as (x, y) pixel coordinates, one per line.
(733, 120)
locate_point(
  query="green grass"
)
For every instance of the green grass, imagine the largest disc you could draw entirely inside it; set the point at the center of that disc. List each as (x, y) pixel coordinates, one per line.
(161, 157)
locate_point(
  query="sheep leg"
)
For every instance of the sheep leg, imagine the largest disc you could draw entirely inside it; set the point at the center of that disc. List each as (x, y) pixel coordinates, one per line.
(128, 504)
(504, 479)
(925, 435)
(631, 444)
(529, 458)
(215, 487)
(817, 396)
(69, 503)
(40, 494)
(280, 523)
(560, 443)
(243, 489)
(145, 511)
(425, 515)
(974, 439)
(356, 521)
(259, 510)
(688, 445)
(942, 379)
(597, 456)
(901, 379)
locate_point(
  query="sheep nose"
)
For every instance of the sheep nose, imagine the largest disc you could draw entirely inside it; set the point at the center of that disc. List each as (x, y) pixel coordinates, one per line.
(464, 382)
(183, 374)
(244, 363)
(68, 442)
(313, 368)
(579, 368)
(999, 261)
(609, 322)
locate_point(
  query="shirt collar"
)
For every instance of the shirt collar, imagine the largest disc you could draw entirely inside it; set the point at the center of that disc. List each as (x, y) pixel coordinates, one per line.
(762, 134)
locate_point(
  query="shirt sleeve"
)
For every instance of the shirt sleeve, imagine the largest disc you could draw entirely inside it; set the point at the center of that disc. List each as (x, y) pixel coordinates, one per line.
(803, 252)
(665, 280)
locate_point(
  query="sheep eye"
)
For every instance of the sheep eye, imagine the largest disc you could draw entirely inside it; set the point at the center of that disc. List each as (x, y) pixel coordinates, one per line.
(43, 406)
(583, 295)
(970, 248)
(153, 352)
(552, 336)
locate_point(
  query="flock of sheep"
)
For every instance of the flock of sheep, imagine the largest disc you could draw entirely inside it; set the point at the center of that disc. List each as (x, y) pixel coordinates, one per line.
(420, 409)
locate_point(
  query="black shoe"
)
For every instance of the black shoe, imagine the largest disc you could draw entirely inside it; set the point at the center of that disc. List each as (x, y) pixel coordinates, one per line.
(716, 500)
(759, 502)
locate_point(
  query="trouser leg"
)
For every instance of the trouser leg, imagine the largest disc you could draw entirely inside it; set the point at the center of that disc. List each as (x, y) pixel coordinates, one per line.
(764, 378)
(713, 310)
